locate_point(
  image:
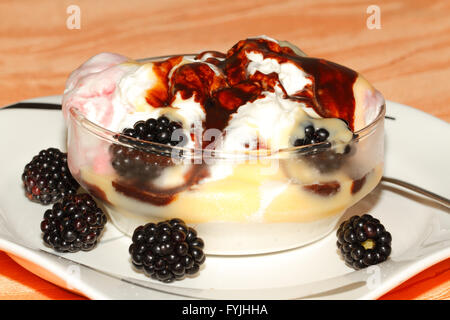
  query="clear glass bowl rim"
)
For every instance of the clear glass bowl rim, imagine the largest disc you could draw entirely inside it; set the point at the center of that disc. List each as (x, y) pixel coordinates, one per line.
(113, 137)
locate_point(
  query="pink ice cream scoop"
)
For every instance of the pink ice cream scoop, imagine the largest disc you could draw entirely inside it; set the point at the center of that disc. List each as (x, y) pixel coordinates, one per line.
(91, 87)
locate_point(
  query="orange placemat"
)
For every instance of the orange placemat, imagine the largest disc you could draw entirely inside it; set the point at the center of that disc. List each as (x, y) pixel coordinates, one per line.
(431, 284)
(18, 283)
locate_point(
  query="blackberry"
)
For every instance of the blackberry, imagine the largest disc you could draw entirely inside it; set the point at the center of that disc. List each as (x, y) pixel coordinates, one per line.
(73, 224)
(131, 163)
(167, 251)
(324, 159)
(363, 241)
(313, 136)
(143, 160)
(47, 178)
(159, 130)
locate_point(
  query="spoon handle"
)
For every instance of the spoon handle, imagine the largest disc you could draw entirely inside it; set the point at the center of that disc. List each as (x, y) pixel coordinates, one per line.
(432, 195)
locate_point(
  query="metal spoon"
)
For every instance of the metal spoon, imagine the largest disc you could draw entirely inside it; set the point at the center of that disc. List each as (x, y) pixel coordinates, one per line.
(442, 200)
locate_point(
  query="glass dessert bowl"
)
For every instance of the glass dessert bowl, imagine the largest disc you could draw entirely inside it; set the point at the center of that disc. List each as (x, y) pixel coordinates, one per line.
(269, 201)
(261, 149)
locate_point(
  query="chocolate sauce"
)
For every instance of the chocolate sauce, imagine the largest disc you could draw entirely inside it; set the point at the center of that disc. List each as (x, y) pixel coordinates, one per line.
(358, 184)
(96, 191)
(330, 95)
(332, 88)
(324, 189)
(135, 191)
(222, 89)
(331, 92)
(215, 57)
(155, 195)
(159, 96)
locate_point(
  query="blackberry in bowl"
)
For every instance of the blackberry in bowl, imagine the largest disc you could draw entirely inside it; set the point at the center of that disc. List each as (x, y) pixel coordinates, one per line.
(143, 163)
(243, 165)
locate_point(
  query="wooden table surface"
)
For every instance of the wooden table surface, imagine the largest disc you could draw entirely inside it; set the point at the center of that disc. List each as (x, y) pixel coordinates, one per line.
(407, 59)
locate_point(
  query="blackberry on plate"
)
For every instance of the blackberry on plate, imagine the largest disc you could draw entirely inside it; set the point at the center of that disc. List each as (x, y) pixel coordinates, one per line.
(324, 159)
(363, 241)
(167, 251)
(143, 160)
(47, 178)
(73, 224)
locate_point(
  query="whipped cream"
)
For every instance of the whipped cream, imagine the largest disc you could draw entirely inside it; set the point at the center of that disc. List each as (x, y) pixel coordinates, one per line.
(111, 91)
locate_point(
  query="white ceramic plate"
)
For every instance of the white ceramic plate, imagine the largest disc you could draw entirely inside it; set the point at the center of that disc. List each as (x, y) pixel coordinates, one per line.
(416, 151)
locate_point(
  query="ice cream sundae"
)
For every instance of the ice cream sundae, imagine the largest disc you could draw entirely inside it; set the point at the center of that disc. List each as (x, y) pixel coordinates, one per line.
(261, 148)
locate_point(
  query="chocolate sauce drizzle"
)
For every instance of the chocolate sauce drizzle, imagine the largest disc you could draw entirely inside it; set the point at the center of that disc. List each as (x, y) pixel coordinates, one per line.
(357, 184)
(158, 196)
(220, 95)
(221, 84)
(324, 189)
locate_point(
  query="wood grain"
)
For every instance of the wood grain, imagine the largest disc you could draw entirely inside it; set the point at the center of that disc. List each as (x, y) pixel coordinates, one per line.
(408, 60)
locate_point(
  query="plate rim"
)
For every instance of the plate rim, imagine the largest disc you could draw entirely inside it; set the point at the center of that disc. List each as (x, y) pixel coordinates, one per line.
(26, 257)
